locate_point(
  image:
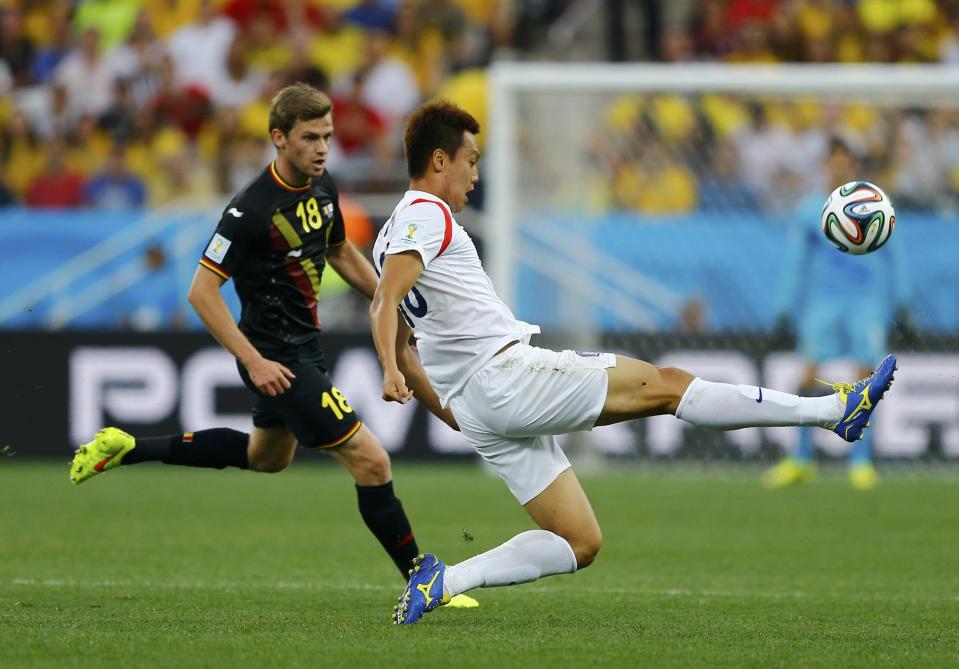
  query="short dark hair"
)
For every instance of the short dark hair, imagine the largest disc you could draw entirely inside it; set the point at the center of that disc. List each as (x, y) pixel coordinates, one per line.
(297, 102)
(438, 124)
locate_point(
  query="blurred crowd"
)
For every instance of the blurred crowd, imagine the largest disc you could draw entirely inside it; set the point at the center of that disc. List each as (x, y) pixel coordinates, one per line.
(813, 31)
(662, 154)
(130, 103)
(123, 103)
(669, 154)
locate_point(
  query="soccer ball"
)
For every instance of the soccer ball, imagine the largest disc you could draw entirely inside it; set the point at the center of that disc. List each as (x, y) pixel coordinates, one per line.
(858, 218)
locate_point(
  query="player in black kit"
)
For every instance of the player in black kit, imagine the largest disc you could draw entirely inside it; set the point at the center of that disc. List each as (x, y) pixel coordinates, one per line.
(274, 240)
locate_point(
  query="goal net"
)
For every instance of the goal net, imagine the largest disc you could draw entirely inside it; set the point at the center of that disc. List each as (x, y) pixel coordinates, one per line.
(651, 210)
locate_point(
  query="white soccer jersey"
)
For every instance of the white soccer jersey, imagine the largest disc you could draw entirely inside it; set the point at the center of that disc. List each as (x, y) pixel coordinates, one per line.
(458, 320)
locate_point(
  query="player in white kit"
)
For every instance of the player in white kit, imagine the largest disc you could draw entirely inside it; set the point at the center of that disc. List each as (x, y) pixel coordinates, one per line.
(509, 398)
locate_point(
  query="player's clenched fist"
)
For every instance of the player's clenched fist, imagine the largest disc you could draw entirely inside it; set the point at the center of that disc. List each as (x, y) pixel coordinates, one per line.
(394, 387)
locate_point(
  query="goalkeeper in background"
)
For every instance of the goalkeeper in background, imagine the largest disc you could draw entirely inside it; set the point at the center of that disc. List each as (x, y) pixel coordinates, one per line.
(841, 306)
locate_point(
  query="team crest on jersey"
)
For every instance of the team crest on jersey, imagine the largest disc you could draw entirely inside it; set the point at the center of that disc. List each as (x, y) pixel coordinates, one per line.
(327, 210)
(216, 251)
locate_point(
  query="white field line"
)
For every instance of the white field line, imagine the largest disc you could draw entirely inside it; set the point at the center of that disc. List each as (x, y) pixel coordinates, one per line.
(631, 592)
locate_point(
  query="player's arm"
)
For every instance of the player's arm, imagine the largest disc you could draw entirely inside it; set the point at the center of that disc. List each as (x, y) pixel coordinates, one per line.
(400, 272)
(269, 376)
(357, 271)
(416, 380)
(353, 266)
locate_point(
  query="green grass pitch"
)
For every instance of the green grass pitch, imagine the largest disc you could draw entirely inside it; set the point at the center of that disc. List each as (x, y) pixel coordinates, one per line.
(154, 566)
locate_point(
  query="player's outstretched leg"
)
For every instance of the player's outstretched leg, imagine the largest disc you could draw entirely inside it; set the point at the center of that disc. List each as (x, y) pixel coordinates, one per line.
(723, 406)
(105, 452)
(216, 448)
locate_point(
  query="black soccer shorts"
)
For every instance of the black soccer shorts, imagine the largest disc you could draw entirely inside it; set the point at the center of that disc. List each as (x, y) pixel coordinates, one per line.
(313, 408)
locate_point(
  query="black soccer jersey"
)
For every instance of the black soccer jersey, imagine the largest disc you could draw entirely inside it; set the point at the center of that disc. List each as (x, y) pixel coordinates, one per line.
(272, 241)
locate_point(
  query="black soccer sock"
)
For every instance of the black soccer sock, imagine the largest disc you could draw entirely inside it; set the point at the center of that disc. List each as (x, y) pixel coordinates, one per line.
(149, 449)
(217, 448)
(384, 515)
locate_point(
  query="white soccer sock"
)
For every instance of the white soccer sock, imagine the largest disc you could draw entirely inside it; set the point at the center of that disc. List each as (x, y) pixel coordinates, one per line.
(723, 406)
(526, 557)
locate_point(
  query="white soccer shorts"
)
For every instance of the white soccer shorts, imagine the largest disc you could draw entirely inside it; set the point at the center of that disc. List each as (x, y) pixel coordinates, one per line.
(512, 408)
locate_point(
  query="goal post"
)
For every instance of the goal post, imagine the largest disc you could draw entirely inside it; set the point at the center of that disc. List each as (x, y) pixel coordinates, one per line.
(519, 88)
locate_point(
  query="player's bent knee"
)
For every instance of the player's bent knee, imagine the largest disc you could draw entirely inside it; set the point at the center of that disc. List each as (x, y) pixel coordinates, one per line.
(586, 548)
(674, 381)
(376, 469)
(638, 389)
(365, 458)
(270, 450)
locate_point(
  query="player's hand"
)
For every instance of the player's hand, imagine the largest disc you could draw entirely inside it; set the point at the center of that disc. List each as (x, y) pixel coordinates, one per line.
(394, 387)
(270, 377)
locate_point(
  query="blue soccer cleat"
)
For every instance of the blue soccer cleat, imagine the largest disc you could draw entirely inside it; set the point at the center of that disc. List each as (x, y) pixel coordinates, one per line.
(423, 593)
(861, 399)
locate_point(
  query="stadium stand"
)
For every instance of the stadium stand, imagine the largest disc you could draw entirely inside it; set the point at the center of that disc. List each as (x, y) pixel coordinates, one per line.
(147, 104)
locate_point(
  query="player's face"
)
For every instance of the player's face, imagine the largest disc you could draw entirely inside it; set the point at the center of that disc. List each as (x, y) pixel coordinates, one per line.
(462, 175)
(306, 146)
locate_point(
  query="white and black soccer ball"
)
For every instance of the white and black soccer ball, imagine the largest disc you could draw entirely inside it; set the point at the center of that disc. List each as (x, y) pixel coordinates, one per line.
(858, 218)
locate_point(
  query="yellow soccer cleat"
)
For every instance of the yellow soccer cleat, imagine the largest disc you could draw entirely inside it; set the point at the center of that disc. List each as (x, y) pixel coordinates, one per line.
(462, 602)
(105, 452)
(788, 472)
(863, 476)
